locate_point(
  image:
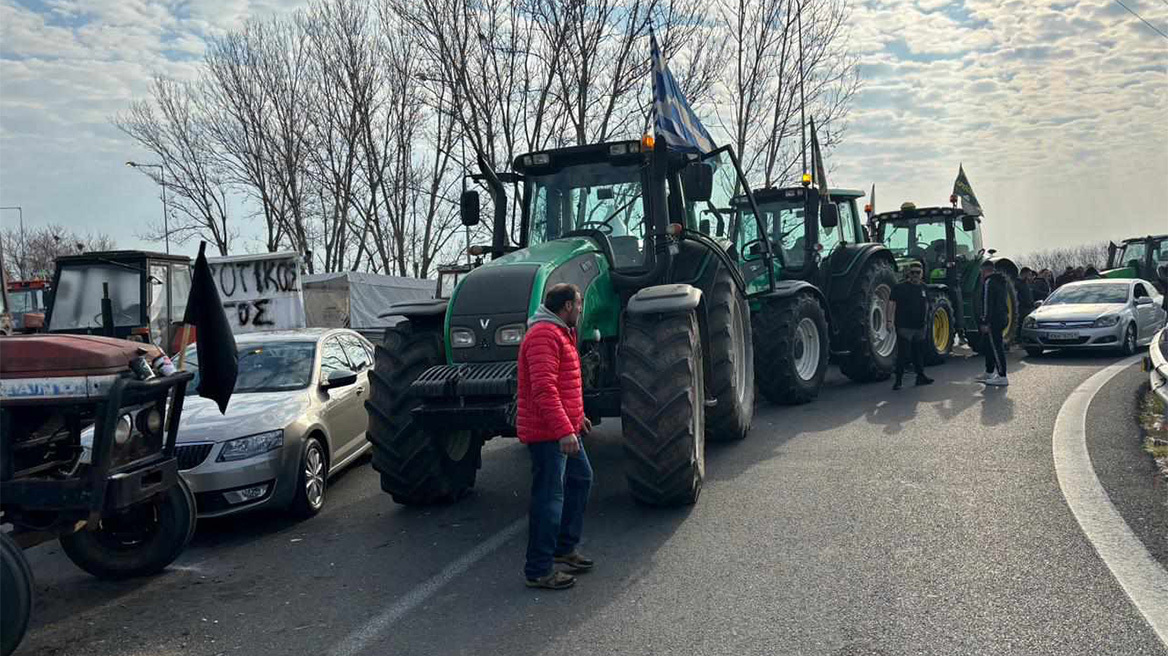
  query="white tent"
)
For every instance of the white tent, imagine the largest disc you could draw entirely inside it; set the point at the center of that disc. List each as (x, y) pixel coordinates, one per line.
(352, 299)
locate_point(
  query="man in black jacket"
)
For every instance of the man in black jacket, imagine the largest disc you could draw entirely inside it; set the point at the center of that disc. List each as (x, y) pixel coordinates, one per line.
(909, 311)
(991, 322)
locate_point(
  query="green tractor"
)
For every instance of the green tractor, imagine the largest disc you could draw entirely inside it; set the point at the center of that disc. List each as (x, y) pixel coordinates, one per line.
(846, 302)
(948, 243)
(665, 336)
(1139, 257)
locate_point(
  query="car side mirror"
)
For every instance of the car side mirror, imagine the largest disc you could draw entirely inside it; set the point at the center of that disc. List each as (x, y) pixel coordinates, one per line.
(339, 378)
(829, 215)
(698, 180)
(1037, 303)
(969, 223)
(1144, 300)
(468, 208)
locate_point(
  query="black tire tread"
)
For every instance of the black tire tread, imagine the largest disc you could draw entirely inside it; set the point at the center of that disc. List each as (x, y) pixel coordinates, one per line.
(774, 355)
(729, 420)
(861, 364)
(661, 407)
(18, 595)
(414, 470)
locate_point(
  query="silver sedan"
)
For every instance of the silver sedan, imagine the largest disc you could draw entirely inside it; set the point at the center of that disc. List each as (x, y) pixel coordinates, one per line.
(1122, 314)
(297, 416)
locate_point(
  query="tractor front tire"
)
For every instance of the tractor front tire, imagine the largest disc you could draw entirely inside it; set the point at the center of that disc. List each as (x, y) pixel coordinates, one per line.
(16, 591)
(662, 408)
(942, 330)
(869, 342)
(791, 349)
(417, 467)
(731, 361)
(140, 541)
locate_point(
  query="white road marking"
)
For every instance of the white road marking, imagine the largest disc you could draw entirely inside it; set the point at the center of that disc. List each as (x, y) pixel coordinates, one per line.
(375, 628)
(1140, 576)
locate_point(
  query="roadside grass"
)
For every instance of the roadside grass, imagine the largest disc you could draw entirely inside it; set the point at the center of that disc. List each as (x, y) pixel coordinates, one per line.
(1153, 418)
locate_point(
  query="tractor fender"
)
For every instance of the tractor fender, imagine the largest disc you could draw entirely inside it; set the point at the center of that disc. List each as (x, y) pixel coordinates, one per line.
(938, 287)
(789, 288)
(843, 282)
(431, 308)
(665, 299)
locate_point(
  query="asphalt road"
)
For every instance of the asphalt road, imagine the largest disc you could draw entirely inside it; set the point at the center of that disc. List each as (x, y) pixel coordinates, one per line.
(926, 521)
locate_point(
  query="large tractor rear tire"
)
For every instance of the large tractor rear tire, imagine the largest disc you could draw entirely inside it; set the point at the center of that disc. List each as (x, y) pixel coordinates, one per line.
(942, 329)
(417, 467)
(791, 349)
(869, 341)
(731, 362)
(16, 592)
(662, 408)
(140, 541)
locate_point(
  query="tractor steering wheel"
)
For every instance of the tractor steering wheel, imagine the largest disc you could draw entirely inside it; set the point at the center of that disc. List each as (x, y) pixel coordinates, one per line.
(603, 226)
(117, 314)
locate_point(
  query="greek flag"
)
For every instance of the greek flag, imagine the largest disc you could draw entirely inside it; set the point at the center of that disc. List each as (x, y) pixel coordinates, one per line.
(675, 121)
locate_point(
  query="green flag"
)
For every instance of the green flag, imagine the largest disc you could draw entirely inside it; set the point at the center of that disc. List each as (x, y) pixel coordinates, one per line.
(963, 190)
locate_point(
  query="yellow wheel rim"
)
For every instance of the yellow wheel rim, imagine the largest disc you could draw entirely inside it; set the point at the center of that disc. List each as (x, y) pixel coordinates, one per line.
(941, 330)
(1009, 330)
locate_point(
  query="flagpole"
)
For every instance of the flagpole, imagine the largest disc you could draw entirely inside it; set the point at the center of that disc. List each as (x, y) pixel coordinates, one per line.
(802, 93)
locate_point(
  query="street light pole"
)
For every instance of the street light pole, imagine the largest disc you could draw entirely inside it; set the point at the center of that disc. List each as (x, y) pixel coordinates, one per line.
(162, 182)
(23, 244)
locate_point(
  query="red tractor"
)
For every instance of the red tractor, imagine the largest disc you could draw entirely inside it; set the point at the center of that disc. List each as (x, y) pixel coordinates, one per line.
(87, 456)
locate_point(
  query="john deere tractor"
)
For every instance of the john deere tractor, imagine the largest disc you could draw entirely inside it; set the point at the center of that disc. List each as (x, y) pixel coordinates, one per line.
(665, 335)
(1139, 257)
(948, 243)
(843, 312)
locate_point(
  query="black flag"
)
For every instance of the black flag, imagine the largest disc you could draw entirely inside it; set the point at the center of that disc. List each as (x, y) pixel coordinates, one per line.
(963, 190)
(817, 167)
(218, 359)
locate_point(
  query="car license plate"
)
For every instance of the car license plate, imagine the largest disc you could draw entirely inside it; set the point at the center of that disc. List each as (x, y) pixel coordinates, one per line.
(1060, 336)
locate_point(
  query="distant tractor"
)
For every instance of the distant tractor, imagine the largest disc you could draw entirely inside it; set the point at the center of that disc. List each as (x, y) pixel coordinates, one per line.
(665, 336)
(87, 457)
(841, 312)
(1140, 257)
(147, 291)
(28, 300)
(948, 243)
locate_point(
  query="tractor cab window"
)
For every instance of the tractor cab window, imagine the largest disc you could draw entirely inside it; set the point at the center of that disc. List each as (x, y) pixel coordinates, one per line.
(965, 244)
(77, 297)
(26, 300)
(1160, 253)
(1132, 254)
(715, 216)
(787, 230)
(829, 238)
(592, 196)
(158, 281)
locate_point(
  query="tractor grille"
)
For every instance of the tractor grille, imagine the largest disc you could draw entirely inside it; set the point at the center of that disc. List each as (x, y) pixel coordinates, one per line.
(190, 456)
(462, 380)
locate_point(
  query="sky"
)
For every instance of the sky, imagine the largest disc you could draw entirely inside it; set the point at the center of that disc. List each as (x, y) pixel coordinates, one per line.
(1057, 110)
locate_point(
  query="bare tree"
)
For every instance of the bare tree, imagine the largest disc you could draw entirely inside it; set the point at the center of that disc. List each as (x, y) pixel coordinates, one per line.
(42, 246)
(1058, 259)
(172, 126)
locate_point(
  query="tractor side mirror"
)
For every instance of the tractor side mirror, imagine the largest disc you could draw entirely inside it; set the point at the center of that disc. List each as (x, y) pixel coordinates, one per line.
(1162, 272)
(753, 250)
(698, 180)
(829, 215)
(969, 223)
(468, 208)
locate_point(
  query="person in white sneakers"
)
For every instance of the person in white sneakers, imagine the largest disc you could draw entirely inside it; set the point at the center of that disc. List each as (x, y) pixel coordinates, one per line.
(993, 317)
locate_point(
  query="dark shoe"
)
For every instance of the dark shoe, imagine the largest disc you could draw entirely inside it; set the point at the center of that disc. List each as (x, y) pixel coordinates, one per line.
(924, 380)
(896, 384)
(553, 581)
(575, 562)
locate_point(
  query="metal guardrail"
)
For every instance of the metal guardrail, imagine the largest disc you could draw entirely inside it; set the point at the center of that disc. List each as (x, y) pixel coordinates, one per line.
(1156, 364)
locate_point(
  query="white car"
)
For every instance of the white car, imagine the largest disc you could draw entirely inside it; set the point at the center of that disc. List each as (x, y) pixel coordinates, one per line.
(1121, 314)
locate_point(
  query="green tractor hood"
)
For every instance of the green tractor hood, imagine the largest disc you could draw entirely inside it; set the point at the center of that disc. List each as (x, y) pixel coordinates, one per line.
(505, 292)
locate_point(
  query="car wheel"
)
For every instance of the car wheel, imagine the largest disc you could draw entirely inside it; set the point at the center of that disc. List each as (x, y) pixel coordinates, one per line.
(312, 480)
(1129, 340)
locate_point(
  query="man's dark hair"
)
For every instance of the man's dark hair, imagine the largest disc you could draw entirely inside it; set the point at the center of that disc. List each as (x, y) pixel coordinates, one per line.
(986, 264)
(1026, 270)
(560, 295)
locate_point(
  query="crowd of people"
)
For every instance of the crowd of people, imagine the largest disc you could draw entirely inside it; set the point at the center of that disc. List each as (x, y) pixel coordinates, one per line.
(1037, 285)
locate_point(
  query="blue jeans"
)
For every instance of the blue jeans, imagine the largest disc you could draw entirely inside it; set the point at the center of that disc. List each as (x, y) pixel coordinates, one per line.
(559, 492)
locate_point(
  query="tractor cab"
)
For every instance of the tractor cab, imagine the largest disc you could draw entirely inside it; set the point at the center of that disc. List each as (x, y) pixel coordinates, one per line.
(940, 238)
(1139, 257)
(28, 300)
(806, 238)
(147, 295)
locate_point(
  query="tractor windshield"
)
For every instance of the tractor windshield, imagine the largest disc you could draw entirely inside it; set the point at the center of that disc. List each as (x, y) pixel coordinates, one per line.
(784, 224)
(1132, 254)
(590, 196)
(77, 299)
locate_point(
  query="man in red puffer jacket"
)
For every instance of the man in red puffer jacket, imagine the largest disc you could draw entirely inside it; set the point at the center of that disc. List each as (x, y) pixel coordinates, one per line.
(550, 422)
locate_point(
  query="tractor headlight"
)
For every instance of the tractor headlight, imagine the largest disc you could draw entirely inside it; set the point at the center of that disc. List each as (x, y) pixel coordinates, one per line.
(462, 338)
(252, 445)
(1107, 321)
(123, 430)
(510, 335)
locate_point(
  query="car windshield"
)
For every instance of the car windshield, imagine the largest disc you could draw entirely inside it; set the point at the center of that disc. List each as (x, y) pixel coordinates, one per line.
(600, 196)
(266, 367)
(1081, 294)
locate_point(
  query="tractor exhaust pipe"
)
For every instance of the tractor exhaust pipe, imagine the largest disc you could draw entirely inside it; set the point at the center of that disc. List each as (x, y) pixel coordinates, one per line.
(499, 199)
